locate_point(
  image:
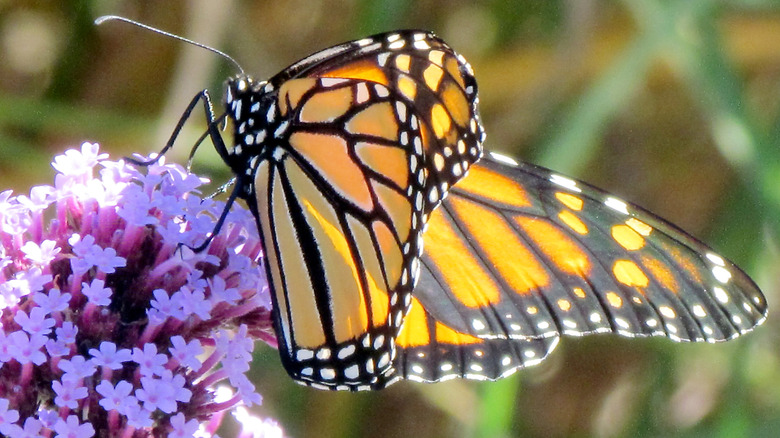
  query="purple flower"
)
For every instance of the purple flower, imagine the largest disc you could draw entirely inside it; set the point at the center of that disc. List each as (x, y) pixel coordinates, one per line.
(54, 301)
(82, 246)
(194, 303)
(257, 427)
(15, 220)
(57, 348)
(106, 260)
(102, 299)
(96, 293)
(40, 198)
(36, 323)
(48, 417)
(22, 283)
(176, 384)
(156, 394)
(71, 428)
(221, 293)
(26, 349)
(115, 397)
(41, 254)
(150, 362)
(69, 392)
(183, 428)
(136, 207)
(168, 306)
(67, 332)
(91, 254)
(76, 368)
(137, 415)
(108, 356)
(186, 353)
(7, 416)
(75, 163)
(32, 429)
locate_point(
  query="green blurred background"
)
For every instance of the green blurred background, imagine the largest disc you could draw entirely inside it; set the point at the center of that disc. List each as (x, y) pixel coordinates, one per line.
(674, 105)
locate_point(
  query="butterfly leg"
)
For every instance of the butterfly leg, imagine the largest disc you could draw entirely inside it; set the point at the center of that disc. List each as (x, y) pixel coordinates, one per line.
(219, 144)
(212, 130)
(237, 189)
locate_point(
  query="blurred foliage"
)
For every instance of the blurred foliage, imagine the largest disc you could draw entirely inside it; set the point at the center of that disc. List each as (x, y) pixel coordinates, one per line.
(673, 105)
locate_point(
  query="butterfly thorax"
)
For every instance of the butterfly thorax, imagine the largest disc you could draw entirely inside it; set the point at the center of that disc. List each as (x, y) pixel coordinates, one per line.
(251, 107)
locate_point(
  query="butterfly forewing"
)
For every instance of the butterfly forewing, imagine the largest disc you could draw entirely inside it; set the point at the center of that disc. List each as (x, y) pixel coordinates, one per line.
(546, 255)
(336, 216)
(434, 84)
(338, 146)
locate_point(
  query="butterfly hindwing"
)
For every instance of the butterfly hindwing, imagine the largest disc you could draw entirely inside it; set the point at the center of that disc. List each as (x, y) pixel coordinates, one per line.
(430, 351)
(520, 252)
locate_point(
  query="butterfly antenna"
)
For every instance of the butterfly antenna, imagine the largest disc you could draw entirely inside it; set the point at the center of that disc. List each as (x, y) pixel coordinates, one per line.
(105, 18)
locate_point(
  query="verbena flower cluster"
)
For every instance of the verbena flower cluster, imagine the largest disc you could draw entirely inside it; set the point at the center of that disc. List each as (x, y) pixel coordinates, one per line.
(111, 325)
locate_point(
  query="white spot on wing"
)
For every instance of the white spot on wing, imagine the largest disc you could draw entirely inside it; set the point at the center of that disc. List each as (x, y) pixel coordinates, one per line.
(616, 204)
(281, 129)
(714, 258)
(721, 274)
(564, 182)
(346, 351)
(329, 82)
(504, 159)
(352, 372)
(362, 92)
(421, 45)
(395, 45)
(381, 90)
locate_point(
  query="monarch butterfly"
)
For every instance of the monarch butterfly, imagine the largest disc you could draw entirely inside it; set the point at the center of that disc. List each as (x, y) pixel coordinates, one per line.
(395, 249)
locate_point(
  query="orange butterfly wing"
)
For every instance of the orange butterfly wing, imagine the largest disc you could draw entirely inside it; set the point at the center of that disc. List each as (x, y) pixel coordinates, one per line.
(348, 151)
(521, 252)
